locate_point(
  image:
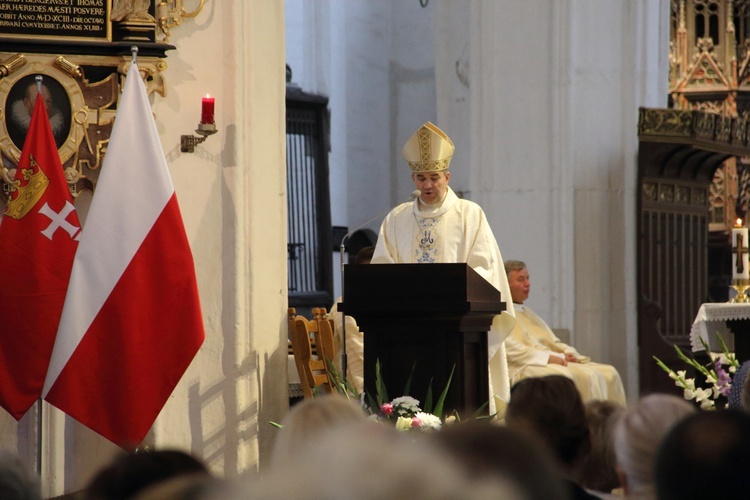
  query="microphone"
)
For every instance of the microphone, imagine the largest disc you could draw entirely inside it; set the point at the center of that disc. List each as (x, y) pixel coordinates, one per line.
(414, 195)
(342, 250)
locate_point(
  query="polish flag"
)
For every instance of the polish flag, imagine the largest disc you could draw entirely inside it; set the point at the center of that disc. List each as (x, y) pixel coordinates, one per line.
(132, 319)
(37, 244)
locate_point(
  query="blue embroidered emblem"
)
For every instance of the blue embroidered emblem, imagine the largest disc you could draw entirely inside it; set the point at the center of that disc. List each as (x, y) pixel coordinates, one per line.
(427, 249)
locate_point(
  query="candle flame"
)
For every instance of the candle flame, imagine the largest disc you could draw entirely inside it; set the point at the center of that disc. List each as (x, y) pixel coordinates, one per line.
(738, 222)
(208, 95)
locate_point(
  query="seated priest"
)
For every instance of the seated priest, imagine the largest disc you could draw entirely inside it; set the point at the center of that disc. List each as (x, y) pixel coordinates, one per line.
(355, 341)
(533, 350)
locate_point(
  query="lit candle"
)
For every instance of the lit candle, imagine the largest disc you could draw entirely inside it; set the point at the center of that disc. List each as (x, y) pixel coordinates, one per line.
(207, 110)
(740, 259)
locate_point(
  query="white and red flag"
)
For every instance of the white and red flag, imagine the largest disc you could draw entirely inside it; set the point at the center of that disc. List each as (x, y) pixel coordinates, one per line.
(37, 244)
(132, 319)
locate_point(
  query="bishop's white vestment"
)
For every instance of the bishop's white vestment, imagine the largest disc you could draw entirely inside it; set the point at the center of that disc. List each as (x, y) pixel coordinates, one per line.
(530, 345)
(455, 230)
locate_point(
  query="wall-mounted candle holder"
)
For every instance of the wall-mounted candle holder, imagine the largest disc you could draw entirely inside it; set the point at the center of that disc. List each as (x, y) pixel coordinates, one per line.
(206, 127)
(188, 142)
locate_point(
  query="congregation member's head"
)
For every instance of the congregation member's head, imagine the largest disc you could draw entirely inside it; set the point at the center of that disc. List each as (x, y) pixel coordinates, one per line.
(369, 461)
(489, 450)
(307, 419)
(639, 432)
(551, 408)
(428, 152)
(739, 394)
(518, 280)
(707, 455)
(598, 470)
(131, 473)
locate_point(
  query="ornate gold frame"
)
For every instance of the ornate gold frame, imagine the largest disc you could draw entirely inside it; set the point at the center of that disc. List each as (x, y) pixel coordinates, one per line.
(91, 109)
(87, 85)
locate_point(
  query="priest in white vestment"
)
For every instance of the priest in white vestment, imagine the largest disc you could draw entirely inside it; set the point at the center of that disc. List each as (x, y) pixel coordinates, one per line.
(438, 227)
(534, 350)
(355, 340)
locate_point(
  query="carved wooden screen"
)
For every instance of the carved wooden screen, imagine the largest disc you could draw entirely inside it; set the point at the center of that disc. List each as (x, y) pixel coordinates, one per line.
(672, 256)
(679, 152)
(309, 250)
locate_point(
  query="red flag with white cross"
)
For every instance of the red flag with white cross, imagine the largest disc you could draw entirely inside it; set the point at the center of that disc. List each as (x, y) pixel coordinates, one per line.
(39, 234)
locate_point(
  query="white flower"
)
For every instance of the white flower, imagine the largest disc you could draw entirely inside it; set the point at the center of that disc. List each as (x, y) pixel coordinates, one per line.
(688, 394)
(405, 406)
(429, 421)
(702, 394)
(690, 384)
(710, 379)
(450, 419)
(707, 404)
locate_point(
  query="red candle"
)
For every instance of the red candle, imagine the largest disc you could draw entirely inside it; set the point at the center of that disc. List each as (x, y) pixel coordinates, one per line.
(207, 110)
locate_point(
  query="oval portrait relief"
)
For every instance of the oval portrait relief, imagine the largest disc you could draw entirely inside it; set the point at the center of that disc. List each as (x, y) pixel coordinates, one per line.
(20, 105)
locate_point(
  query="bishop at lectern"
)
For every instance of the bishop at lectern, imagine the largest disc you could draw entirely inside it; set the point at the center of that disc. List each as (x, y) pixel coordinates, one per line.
(439, 227)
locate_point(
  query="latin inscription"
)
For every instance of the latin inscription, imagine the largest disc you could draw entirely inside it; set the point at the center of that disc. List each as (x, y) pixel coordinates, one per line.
(54, 18)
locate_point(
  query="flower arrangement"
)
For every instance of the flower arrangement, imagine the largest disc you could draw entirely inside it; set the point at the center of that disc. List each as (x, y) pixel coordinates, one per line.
(404, 412)
(718, 379)
(407, 415)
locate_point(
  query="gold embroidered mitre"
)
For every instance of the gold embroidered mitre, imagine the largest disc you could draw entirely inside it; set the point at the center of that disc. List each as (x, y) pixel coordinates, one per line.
(428, 149)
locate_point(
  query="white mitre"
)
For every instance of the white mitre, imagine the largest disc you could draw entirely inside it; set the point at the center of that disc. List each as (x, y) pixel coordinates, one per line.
(429, 149)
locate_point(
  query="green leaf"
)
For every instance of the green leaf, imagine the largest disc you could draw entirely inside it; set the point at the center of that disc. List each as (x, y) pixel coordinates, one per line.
(478, 414)
(407, 387)
(439, 406)
(382, 393)
(341, 384)
(274, 424)
(428, 400)
(729, 355)
(662, 365)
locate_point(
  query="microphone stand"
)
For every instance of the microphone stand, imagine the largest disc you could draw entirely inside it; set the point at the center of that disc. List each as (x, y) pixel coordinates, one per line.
(342, 250)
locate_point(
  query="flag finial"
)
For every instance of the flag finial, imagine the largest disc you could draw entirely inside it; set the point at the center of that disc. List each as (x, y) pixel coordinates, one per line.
(39, 79)
(134, 52)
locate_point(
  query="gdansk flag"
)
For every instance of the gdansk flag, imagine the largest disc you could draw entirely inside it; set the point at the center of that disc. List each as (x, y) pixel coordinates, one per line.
(38, 239)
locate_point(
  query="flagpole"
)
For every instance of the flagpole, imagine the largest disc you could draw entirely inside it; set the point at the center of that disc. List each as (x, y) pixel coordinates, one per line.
(39, 438)
(40, 413)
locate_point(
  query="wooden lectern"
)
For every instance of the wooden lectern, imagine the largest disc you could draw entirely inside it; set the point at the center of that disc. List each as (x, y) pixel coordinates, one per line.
(422, 320)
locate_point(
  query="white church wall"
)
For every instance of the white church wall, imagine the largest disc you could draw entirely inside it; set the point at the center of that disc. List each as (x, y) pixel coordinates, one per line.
(554, 88)
(231, 192)
(378, 75)
(518, 92)
(412, 80)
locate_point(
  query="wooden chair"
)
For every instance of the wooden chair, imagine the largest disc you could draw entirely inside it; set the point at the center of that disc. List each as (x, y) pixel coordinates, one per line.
(312, 345)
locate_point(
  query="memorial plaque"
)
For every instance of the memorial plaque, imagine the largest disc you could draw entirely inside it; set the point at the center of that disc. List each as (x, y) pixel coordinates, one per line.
(56, 19)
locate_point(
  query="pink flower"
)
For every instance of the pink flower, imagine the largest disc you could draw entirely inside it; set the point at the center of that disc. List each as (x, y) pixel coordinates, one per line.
(723, 379)
(416, 423)
(387, 408)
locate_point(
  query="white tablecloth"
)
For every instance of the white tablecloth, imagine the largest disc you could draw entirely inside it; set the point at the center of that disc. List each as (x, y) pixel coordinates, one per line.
(711, 320)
